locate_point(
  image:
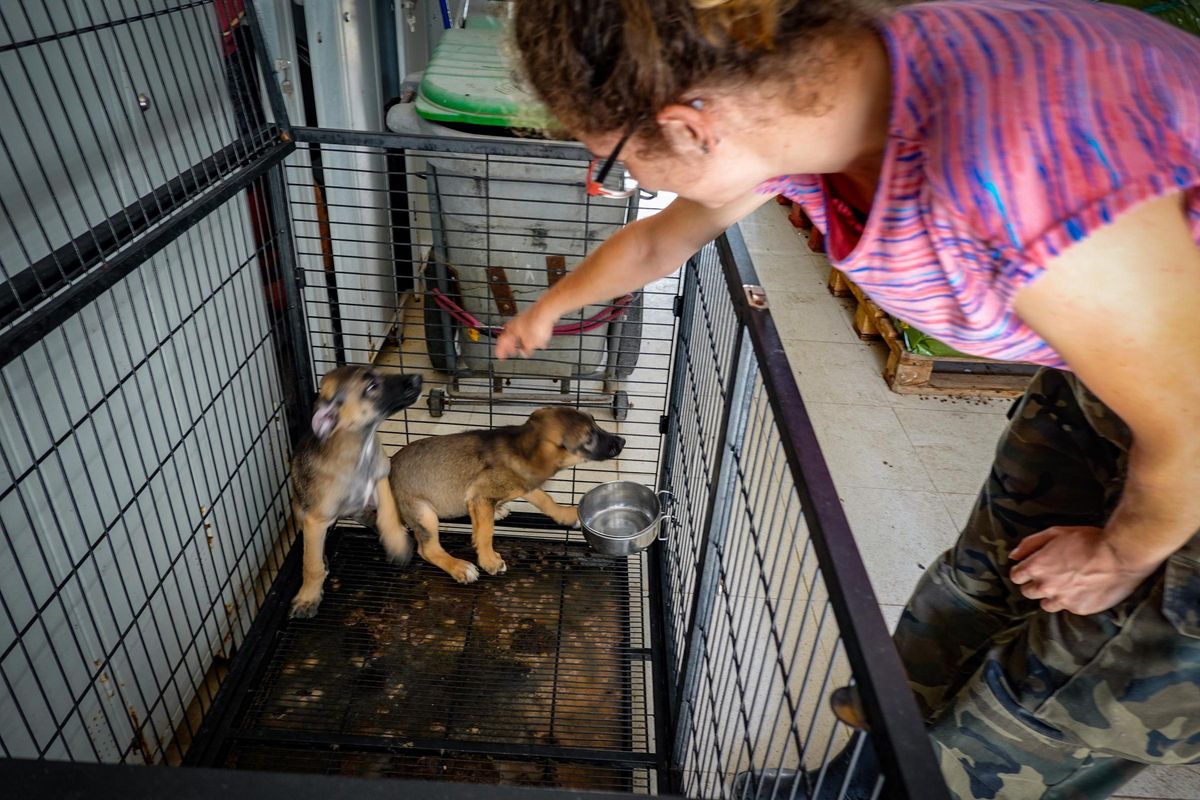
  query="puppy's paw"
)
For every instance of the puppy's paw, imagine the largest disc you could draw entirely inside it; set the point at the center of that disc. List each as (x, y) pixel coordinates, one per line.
(399, 549)
(492, 563)
(305, 606)
(568, 517)
(501, 512)
(463, 571)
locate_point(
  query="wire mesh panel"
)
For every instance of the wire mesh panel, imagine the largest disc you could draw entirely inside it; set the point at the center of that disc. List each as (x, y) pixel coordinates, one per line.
(757, 637)
(117, 116)
(767, 649)
(708, 341)
(144, 443)
(485, 231)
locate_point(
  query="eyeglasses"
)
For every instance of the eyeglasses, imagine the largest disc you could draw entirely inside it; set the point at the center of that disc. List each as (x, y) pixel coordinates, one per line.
(595, 179)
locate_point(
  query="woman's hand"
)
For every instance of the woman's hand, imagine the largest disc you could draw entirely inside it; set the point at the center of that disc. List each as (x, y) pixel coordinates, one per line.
(525, 333)
(1075, 569)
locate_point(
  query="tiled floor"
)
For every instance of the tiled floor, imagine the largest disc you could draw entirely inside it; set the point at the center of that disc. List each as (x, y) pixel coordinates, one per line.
(907, 468)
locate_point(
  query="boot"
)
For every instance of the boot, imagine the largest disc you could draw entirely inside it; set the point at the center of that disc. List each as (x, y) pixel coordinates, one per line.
(789, 784)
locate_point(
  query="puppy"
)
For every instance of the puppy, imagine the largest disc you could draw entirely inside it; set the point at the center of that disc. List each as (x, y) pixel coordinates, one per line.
(474, 473)
(340, 470)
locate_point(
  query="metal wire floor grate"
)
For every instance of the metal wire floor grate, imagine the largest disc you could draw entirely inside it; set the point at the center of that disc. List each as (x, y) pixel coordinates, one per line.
(539, 677)
(480, 768)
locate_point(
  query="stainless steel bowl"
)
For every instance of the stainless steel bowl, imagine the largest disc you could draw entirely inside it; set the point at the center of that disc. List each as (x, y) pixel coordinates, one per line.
(622, 517)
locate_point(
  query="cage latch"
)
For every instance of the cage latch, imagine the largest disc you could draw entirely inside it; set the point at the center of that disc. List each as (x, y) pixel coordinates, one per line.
(756, 295)
(283, 67)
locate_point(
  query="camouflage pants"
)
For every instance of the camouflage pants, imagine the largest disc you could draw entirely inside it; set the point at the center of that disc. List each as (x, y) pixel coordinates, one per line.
(1025, 704)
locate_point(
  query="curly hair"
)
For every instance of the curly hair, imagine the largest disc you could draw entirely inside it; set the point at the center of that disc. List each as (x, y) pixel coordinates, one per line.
(605, 65)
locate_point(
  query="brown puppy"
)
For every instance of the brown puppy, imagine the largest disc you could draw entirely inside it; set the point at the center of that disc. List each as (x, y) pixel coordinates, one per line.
(473, 473)
(340, 471)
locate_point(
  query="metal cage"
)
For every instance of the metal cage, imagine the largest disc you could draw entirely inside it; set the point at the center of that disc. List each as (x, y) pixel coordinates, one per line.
(181, 265)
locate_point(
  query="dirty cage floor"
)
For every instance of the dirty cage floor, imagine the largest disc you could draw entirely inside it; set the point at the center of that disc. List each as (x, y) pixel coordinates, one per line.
(538, 677)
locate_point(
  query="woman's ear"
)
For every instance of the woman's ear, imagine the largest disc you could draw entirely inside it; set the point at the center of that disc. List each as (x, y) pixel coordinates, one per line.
(687, 129)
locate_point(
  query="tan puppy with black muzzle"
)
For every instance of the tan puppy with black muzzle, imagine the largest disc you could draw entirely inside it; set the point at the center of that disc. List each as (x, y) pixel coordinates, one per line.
(474, 473)
(341, 471)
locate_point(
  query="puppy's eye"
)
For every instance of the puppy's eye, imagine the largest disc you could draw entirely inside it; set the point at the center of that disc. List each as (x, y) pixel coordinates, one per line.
(372, 387)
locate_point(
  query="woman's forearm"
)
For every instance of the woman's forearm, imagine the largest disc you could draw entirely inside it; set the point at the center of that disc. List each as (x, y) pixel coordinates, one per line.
(643, 252)
(621, 264)
(1160, 503)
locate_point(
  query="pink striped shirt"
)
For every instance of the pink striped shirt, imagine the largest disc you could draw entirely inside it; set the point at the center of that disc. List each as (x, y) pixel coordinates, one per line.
(1017, 128)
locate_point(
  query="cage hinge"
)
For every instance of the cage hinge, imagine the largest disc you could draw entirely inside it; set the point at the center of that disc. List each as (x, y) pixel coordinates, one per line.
(756, 295)
(677, 306)
(664, 422)
(283, 68)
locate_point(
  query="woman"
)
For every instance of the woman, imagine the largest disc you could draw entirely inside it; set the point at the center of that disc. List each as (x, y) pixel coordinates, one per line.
(1021, 180)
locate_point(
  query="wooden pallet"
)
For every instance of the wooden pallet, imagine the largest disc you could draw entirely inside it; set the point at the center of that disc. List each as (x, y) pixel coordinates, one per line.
(913, 373)
(800, 221)
(864, 312)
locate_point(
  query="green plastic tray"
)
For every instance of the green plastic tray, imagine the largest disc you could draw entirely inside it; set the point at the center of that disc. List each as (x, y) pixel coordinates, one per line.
(470, 81)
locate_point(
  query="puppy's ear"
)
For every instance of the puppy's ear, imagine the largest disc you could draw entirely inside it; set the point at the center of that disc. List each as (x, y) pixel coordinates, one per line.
(324, 420)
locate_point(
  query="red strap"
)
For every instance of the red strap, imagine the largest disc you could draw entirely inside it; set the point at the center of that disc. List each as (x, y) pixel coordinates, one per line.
(845, 224)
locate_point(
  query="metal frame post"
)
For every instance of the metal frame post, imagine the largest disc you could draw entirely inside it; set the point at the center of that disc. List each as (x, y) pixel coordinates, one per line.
(686, 310)
(274, 91)
(664, 659)
(300, 405)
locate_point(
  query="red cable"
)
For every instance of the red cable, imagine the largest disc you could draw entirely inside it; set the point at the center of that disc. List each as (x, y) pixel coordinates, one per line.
(593, 322)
